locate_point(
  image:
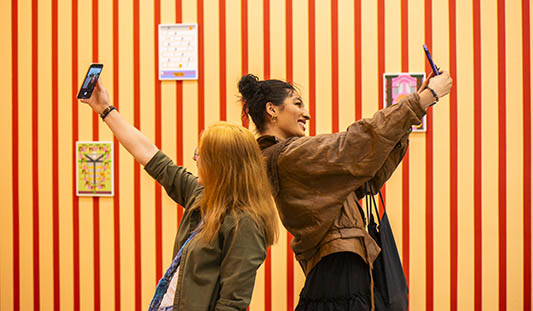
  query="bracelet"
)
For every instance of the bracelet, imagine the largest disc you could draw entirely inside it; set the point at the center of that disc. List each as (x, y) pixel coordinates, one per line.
(434, 94)
(106, 111)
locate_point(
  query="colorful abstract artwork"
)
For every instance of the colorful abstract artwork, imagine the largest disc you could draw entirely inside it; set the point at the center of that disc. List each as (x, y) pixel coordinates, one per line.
(399, 85)
(94, 172)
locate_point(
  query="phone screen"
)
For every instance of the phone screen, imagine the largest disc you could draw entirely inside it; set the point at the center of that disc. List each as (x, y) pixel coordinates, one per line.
(430, 60)
(89, 83)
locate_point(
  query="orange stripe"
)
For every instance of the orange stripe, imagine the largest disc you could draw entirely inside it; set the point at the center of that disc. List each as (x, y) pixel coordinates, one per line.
(266, 69)
(358, 69)
(201, 97)
(334, 66)
(116, 149)
(35, 152)
(266, 38)
(289, 77)
(312, 69)
(477, 159)
(15, 154)
(75, 201)
(502, 158)
(405, 165)
(429, 170)
(453, 158)
(136, 166)
(96, 200)
(244, 49)
(222, 57)
(526, 78)
(179, 114)
(55, 158)
(381, 71)
(158, 203)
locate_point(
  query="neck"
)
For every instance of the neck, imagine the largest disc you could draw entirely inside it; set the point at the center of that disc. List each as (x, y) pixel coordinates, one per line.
(274, 131)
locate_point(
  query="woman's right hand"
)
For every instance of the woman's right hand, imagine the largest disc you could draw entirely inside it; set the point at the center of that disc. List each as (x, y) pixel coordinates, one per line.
(99, 99)
(441, 84)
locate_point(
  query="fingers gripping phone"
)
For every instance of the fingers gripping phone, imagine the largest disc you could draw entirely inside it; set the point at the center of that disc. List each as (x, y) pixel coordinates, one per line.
(89, 83)
(430, 60)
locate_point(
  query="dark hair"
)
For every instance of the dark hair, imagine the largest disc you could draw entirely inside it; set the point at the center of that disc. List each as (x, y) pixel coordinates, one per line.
(256, 93)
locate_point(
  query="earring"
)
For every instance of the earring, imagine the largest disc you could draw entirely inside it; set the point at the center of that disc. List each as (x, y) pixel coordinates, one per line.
(274, 118)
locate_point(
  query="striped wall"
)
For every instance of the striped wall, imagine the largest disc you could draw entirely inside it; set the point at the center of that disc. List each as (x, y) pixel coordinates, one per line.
(460, 203)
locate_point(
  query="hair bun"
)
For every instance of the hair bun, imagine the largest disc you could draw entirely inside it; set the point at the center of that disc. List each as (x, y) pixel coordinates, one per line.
(248, 86)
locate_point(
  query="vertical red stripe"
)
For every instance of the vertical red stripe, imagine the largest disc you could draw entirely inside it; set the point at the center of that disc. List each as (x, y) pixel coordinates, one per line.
(35, 151)
(477, 158)
(502, 159)
(96, 200)
(158, 143)
(75, 202)
(116, 149)
(266, 68)
(428, 35)
(55, 158)
(222, 57)
(526, 98)
(357, 62)
(15, 153)
(136, 166)
(289, 77)
(179, 112)
(244, 37)
(405, 163)
(268, 280)
(312, 69)
(266, 38)
(453, 158)
(244, 47)
(201, 98)
(334, 65)
(288, 42)
(381, 68)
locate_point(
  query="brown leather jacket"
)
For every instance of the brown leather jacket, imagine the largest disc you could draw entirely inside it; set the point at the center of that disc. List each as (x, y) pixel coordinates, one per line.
(316, 180)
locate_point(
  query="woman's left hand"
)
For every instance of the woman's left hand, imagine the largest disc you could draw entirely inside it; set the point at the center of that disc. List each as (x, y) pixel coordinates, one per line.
(99, 99)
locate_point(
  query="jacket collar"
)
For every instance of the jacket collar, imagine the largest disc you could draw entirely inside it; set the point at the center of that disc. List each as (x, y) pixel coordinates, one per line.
(266, 141)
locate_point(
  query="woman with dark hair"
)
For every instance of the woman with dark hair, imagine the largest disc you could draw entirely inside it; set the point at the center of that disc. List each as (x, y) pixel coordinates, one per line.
(229, 219)
(317, 180)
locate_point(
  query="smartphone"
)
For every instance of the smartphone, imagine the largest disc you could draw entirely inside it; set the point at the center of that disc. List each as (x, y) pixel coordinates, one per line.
(430, 60)
(89, 83)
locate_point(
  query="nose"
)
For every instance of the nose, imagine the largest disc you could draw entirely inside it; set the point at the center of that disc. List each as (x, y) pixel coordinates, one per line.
(306, 114)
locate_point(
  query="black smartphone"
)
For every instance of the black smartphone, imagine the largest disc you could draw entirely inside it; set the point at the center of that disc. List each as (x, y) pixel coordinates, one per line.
(89, 83)
(430, 60)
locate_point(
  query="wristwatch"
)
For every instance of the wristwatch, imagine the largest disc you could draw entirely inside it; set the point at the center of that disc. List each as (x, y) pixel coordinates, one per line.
(106, 111)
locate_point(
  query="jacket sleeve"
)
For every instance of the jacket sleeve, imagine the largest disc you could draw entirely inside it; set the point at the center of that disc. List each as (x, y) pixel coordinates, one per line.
(244, 251)
(334, 165)
(390, 165)
(180, 184)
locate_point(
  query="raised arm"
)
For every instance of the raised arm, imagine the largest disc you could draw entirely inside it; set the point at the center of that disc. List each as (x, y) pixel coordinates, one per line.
(140, 147)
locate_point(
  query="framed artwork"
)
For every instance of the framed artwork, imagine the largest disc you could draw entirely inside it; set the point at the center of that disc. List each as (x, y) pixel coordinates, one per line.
(399, 85)
(178, 52)
(94, 168)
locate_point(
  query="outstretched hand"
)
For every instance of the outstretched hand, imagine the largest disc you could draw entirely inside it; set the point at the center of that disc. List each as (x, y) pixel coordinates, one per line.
(99, 99)
(441, 84)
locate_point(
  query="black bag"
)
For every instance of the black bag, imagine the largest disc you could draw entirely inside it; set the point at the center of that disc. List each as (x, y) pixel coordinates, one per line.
(390, 286)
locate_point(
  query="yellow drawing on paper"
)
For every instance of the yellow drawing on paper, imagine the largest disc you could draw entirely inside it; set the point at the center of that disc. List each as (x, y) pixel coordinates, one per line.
(94, 168)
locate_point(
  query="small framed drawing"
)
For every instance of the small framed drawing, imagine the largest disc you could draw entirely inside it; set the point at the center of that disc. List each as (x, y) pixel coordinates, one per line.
(398, 85)
(94, 168)
(178, 52)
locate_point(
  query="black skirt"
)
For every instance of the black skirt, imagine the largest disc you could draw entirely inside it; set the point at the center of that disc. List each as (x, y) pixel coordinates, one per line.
(339, 282)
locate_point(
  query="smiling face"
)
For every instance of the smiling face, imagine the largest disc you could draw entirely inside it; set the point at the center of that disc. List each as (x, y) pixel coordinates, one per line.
(290, 118)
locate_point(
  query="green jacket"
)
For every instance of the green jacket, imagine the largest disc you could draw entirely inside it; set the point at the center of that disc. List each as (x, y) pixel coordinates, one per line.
(220, 276)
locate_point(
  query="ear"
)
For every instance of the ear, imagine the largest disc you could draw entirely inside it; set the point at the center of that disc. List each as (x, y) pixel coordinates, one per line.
(271, 109)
